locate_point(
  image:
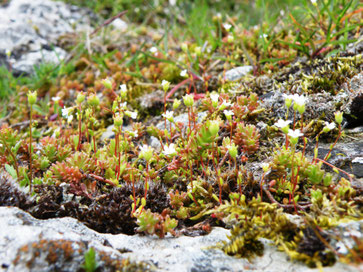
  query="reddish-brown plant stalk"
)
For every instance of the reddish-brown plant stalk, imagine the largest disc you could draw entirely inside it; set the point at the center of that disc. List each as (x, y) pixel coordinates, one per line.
(79, 127)
(336, 140)
(30, 149)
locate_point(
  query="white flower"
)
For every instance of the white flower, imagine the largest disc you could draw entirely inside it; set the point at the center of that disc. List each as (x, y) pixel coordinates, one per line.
(66, 112)
(282, 123)
(228, 113)
(188, 100)
(123, 88)
(264, 36)
(146, 152)
(145, 148)
(227, 26)
(226, 104)
(265, 166)
(184, 73)
(295, 133)
(133, 133)
(153, 50)
(168, 115)
(165, 84)
(300, 100)
(214, 96)
(132, 114)
(314, 2)
(330, 126)
(70, 118)
(288, 96)
(123, 105)
(56, 98)
(169, 150)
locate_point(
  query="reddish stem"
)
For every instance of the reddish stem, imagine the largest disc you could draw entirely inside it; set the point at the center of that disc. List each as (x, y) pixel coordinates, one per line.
(332, 166)
(79, 128)
(133, 191)
(30, 150)
(102, 179)
(336, 140)
(146, 178)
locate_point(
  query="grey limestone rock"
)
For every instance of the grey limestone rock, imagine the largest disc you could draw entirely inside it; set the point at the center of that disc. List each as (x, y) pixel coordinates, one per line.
(237, 73)
(29, 244)
(29, 30)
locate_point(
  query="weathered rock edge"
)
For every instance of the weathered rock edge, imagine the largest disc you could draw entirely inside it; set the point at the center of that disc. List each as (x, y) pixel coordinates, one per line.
(46, 245)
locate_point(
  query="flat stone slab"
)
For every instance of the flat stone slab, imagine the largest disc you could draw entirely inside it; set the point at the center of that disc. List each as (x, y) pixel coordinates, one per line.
(27, 244)
(29, 32)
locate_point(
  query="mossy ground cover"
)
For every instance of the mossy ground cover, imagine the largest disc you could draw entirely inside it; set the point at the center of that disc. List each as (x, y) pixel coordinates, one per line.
(239, 166)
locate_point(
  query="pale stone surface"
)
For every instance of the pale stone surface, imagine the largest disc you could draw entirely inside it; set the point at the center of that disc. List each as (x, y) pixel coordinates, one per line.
(30, 31)
(237, 73)
(19, 229)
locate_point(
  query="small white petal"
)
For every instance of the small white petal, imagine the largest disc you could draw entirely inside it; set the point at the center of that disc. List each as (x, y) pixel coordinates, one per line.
(226, 104)
(164, 83)
(184, 73)
(330, 126)
(299, 99)
(123, 88)
(282, 123)
(227, 26)
(228, 112)
(169, 150)
(214, 97)
(168, 114)
(295, 133)
(66, 112)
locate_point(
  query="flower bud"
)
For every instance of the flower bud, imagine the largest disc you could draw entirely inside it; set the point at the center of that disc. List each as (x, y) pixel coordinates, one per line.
(213, 127)
(80, 97)
(117, 120)
(338, 117)
(301, 109)
(123, 90)
(176, 103)
(32, 97)
(230, 38)
(232, 149)
(184, 47)
(198, 51)
(107, 83)
(165, 84)
(188, 100)
(93, 100)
